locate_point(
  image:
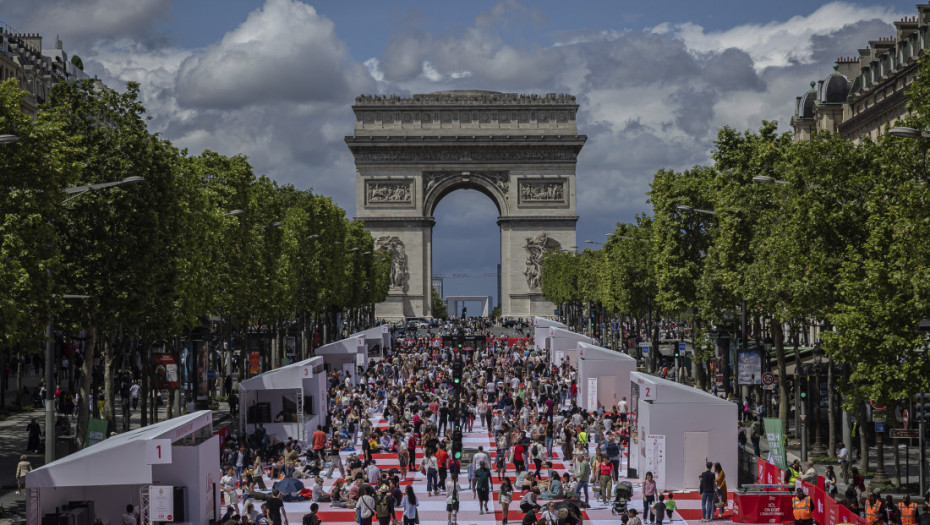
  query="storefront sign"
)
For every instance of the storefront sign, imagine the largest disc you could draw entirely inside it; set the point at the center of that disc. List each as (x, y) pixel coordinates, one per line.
(255, 362)
(166, 371)
(592, 394)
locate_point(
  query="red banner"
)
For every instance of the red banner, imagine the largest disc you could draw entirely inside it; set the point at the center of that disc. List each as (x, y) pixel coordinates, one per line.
(166, 371)
(223, 433)
(762, 508)
(768, 474)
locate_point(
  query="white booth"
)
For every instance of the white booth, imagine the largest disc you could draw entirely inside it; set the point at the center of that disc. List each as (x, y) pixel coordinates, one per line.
(541, 327)
(171, 467)
(562, 343)
(345, 356)
(289, 401)
(603, 377)
(678, 430)
(377, 340)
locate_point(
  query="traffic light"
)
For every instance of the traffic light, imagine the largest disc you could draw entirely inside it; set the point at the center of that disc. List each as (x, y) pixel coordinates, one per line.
(457, 444)
(677, 352)
(457, 366)
(922, 407)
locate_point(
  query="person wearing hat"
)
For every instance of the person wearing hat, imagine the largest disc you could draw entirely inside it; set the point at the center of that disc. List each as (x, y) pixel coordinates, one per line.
(803, 509)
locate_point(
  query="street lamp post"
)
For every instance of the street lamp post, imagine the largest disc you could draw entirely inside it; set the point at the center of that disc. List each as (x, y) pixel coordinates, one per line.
(50, 436)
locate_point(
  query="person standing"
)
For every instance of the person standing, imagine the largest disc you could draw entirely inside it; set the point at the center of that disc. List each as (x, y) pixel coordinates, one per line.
(22, 468)
(649, 498)
(366, 505)
(842, 457)
(263, 519)
(442, 463)
(755, 435)
(721, 482)
(319, 442)
(452, 498)
(335, 460)
(659, 510)
(134, 389)
(908, 511)
(505, 498)
(276, 508)
(802, 509)
(583, 473)
(483, 485)
(409, 504)
(34, 432)
(228, 486)
(875, 512)
(707, 485)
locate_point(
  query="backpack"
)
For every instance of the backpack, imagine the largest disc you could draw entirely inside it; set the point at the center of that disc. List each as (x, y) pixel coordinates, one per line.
(535, 451)
(383, 507)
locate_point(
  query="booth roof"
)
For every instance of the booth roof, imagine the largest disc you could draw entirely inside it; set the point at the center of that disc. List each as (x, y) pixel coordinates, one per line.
(347, 346)
(118, 460)
(671, 392)
(543, 323)
(565, 333)
(598, 352)
(286, 377)
(375, 332)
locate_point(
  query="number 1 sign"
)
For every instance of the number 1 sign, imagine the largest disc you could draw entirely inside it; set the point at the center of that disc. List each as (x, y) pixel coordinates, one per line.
(158, 451)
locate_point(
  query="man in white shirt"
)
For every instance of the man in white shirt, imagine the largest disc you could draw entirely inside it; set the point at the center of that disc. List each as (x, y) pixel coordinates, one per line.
(134, 393)
(480, 456)
(843, 458)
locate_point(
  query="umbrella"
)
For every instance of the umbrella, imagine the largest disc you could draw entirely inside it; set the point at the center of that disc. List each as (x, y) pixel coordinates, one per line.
(288, 485)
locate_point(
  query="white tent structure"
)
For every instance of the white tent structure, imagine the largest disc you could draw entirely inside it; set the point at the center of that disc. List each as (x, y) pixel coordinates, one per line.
(179, 452)
(562, 343)
(346, 355)
(541, 327)
(603, 377)
(378, 341)
(679, 429)
(297, 392)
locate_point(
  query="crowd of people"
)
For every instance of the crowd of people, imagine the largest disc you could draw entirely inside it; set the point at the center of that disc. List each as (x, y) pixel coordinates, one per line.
(524, 401)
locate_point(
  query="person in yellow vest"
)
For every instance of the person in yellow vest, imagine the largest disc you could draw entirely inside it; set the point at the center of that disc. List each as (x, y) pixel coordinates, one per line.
(909, 512)
(793, 472)
(803, 509)
(874, 509)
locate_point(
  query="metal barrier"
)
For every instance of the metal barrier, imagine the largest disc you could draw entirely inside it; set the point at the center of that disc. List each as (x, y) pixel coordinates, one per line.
(746, 467)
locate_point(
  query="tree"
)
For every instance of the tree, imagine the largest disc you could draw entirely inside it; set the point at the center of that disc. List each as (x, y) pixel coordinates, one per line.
(439, 306)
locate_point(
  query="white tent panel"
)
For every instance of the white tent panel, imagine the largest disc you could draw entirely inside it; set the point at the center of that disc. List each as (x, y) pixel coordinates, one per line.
(128, 451)
(603, 376)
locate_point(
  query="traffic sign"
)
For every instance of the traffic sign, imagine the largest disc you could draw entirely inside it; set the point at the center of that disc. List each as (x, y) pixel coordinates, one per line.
(879, 426)
(682, 347)
(876, 406)
(904, 418)
(905, 433)
(768, 379)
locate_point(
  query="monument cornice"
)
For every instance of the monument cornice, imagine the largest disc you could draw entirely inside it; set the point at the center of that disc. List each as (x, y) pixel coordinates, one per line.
(422, 221)
(517, 140)
(537, 218)
(468, 98)
(529, 149)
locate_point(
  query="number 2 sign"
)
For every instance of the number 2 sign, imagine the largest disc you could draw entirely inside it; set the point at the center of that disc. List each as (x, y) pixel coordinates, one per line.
(648, 391)
(158, 451)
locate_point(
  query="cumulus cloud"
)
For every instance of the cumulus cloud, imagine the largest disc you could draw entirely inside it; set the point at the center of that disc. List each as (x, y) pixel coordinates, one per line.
(80, 23)
(283, 51)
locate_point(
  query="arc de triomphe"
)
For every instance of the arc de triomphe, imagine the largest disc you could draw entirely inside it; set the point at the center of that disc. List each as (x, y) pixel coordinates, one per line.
(519, 150)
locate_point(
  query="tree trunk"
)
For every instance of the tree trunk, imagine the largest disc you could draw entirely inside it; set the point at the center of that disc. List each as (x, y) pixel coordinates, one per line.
(108, 412)
(880, 475)
(19, 380)
(778, 337)
(831, 413)
(146, 382)
(85, 389)
(863, 440)
(897, 463)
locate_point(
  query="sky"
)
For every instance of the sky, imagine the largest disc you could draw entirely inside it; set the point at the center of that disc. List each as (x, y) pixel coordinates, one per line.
(274, 80)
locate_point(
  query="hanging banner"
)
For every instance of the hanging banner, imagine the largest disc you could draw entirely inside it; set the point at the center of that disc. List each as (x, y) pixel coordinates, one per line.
(776, 440)
(592, 394)
(255, 362)
(655, 459)
(749, 367)
(96, 431)
(166, 371)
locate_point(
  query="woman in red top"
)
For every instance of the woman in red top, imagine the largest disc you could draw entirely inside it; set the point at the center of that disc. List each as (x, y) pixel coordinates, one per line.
(518, 460)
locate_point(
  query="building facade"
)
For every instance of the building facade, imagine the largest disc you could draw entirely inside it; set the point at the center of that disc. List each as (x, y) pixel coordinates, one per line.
(36, 69)
(866, 93)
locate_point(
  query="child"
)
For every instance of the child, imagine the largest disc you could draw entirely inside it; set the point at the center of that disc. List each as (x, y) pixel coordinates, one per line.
(501, 466)
(633, 519)
(659, 509)
(670, 506)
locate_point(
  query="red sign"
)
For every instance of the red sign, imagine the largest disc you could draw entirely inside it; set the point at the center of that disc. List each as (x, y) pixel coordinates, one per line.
(768, 474)
(762, 508)
(166, 371)
(876, 406)
(223, 433)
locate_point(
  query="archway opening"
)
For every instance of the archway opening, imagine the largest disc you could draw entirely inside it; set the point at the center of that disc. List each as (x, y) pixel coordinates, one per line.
(466, 245)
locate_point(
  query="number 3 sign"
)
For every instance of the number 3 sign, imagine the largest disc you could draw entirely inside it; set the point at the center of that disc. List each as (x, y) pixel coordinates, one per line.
(158, 451)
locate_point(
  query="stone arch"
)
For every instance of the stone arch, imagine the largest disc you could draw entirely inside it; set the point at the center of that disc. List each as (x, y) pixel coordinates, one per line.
(493, 186)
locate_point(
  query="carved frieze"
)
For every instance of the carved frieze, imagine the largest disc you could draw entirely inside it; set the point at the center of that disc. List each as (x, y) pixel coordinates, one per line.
(389, 192)
(464, 97)
(542, 191)
(364, 156)
(536, 249)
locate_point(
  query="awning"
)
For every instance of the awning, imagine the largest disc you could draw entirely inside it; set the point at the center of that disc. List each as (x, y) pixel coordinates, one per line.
(286, 377)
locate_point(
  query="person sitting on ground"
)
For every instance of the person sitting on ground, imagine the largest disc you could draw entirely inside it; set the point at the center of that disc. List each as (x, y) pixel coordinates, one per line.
(556, 490)
(318, 493)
